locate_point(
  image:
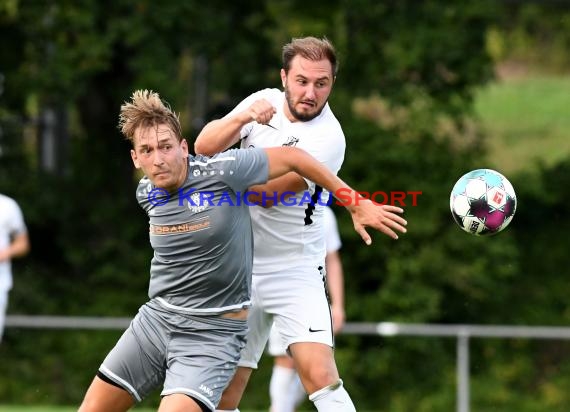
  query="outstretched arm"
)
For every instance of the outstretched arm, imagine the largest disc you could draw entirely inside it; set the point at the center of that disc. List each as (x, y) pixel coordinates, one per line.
(221, 134)
(364, 212)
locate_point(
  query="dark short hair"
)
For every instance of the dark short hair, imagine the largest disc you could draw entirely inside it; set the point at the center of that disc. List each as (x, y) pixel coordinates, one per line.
(310, 48)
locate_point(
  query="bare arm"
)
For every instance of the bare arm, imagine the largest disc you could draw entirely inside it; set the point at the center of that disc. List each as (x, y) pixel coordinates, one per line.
(19, 247)
(364, 212)
(221, 134)
(335, 283)
(289, 183)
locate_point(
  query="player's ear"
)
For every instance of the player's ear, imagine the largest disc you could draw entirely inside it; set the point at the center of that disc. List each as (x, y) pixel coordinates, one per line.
(184, 146)
(135, 159)
(283, 77)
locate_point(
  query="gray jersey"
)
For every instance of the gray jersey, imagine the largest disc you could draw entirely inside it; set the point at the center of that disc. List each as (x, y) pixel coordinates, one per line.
(201, 235)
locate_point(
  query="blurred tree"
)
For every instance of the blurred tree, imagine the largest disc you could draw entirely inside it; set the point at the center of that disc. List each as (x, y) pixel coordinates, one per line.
(531, 36)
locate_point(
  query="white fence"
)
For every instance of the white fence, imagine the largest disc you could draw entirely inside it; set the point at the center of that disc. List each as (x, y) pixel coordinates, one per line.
(460, 332)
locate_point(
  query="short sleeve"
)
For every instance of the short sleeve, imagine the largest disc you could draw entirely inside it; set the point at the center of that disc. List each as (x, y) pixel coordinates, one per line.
(16, 224)
(242, 168)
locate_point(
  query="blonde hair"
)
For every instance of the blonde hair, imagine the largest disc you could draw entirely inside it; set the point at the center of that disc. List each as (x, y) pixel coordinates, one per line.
(310, 48)
(146, 109)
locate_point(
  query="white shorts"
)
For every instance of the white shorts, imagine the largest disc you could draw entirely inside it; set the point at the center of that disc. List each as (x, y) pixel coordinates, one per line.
(296, 300)
(275, 345)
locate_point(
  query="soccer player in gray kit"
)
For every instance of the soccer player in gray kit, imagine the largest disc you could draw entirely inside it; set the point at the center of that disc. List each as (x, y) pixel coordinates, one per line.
(188, 336)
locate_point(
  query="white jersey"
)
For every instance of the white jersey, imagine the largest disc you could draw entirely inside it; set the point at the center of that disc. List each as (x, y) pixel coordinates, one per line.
(11, 223)
(292, 234)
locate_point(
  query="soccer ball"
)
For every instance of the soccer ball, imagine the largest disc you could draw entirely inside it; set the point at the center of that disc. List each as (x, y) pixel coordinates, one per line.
(483, 202)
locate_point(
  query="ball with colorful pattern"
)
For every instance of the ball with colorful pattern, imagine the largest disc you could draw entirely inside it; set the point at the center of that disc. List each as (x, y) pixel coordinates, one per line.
(483, 202)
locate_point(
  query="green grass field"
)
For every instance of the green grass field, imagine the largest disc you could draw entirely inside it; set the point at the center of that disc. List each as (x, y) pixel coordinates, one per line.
(526, 120)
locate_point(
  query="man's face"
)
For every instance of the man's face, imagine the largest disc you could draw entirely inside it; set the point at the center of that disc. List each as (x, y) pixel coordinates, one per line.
(307, 88)
(160, 155)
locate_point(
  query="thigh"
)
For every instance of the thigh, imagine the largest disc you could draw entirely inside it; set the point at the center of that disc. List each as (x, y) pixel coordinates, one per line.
(202, 358)
(315, 364)
(234, 392)
(179, 402)
(104, 397)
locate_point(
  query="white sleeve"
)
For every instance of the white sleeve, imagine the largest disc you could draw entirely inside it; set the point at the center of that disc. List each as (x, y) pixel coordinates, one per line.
(16, 221)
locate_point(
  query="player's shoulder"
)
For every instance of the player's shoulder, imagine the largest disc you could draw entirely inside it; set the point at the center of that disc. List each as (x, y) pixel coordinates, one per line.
(328, 119)
(144, 188)
(227, 156)
(269, 91)
(7, 202)
(271, 94)
(4, 198)
(326, 126)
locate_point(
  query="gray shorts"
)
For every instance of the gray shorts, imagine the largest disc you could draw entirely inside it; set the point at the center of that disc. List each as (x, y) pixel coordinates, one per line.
(192, 355)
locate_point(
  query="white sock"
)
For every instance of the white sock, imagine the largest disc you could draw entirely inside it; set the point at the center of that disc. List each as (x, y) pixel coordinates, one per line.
(332, 398)
(280, 389)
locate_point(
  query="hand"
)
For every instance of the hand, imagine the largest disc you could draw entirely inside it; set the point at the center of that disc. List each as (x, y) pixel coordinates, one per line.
(383, 218)
(261, 111)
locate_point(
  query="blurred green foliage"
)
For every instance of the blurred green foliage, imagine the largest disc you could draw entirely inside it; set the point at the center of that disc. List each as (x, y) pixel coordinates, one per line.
(408, 74)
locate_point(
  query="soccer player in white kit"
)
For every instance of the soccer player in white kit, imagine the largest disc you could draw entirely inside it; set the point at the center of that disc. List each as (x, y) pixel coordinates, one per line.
(285, 388)
(14, 243)
(289, 248)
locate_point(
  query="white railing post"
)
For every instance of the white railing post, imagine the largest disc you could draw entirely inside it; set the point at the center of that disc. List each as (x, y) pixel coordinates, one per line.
(462, 372)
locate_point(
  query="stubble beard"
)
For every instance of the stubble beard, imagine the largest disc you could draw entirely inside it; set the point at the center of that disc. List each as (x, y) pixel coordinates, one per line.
(302, 117)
